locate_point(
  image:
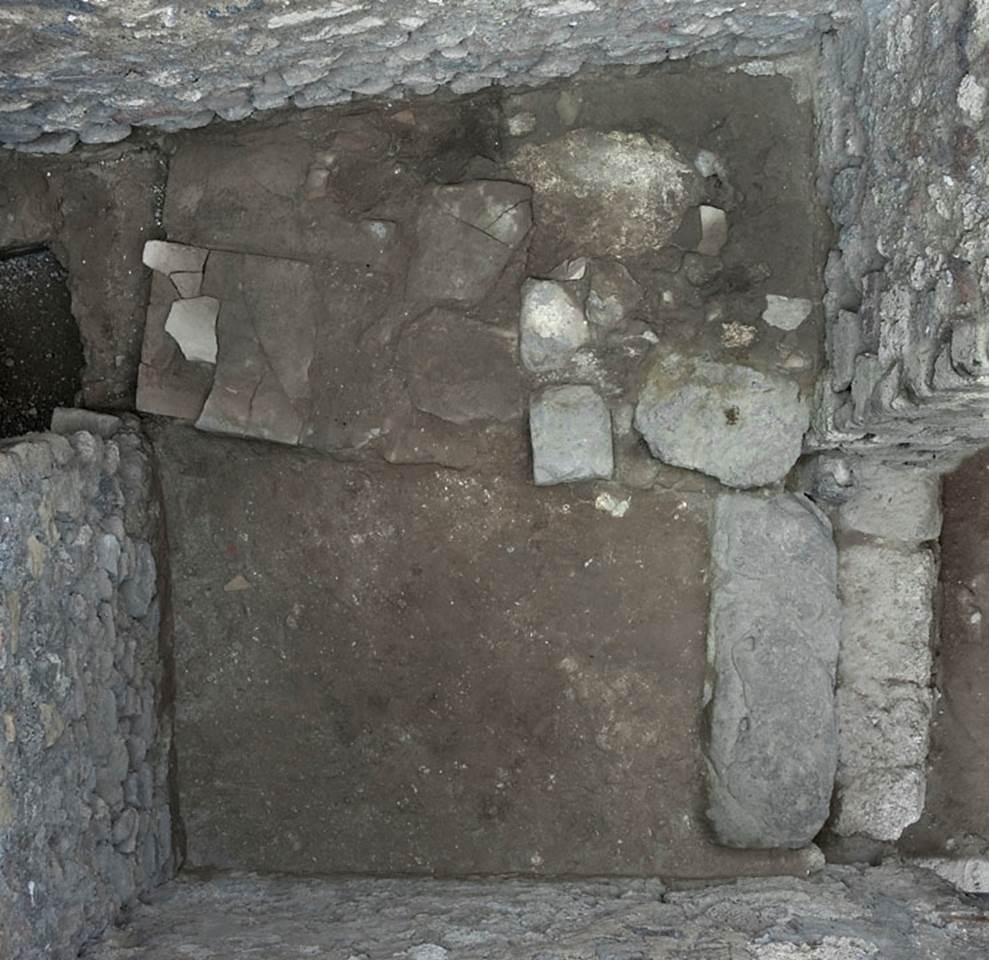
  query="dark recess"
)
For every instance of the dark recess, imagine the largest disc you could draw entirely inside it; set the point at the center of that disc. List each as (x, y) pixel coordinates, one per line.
(41, 356)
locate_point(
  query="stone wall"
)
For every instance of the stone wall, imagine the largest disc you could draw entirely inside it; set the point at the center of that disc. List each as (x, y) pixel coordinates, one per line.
(92, 71)
(901, 108)
(84, 815)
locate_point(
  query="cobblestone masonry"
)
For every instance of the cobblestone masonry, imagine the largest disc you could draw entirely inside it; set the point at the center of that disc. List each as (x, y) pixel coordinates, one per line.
(84, 817)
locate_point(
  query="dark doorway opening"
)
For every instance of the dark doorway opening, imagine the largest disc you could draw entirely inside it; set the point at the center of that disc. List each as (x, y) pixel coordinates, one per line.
(41, 356)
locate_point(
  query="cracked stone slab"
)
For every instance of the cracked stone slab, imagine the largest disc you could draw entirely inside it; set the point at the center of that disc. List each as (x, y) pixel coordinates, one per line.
(462, 370)
(168, 384)
(571, 436)
(265, 349)
(773, 652)
(465, 235)
(552, 325)
(726, 420)
(611, 194)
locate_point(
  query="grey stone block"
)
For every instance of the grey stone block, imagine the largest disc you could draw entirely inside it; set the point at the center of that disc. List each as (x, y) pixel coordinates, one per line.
(893, 502)
(571, 436)
(552, 325)
(884, 688)
(68, 420)
(773, 651)
(732, 422)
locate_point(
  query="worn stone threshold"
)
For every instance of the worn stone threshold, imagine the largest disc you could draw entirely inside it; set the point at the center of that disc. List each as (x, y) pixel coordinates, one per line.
(842, 913)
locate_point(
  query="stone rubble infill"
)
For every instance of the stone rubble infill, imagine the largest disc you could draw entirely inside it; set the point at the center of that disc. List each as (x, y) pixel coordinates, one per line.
(773, 653)
(844, 913)
(732, 422)
(84, 817)
(887, 578)
(571, 436)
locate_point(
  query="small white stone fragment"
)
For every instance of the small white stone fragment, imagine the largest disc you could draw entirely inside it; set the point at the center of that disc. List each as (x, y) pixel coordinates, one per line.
(714, 231)
(735, 334)
(552, 326)
(168, 258)
(707, 163)
(786, 313)
(192, 324)
(606, 503)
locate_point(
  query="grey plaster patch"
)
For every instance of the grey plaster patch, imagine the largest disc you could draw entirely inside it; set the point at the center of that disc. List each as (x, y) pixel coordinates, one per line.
(552, 325)
(727, 420)
(773, 652)
(611, 194)
(570, 429)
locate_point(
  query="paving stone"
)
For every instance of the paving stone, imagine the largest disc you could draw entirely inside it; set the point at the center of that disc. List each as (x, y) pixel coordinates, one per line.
(786, 313)
(730, 421)
(462, 370)
(571, 436)
(611, 194)
(466, 234)
(192, 325)
(552, 325)
(261, 384)
(884, 675)
(773, 650)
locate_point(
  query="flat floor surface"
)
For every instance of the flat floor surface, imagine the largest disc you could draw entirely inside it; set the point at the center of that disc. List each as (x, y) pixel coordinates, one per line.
(409, 669)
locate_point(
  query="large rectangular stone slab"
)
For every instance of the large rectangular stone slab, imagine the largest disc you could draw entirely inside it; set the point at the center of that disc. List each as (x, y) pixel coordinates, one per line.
(773, 652)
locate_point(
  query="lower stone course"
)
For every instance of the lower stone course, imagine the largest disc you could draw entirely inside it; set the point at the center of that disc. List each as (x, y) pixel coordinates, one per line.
(84, 739)
(843, 913)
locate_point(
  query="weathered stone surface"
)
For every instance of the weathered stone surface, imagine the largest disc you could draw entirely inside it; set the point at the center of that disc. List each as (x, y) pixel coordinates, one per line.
(82, 717)
(612, 194)
(552, 325)
(261, 384)
(462, 370)
(732, 422)
(465, 235)
(965, 874)
(192, 325)
(884, 688)
(613, 294)
(571, 436)
(786, 313)
(892, 502)
(773, 651)
(841, 913)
